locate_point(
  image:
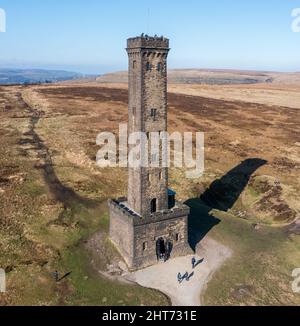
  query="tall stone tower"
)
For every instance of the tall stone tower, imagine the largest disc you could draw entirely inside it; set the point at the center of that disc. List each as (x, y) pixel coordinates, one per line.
(148, 187)
(149, 225)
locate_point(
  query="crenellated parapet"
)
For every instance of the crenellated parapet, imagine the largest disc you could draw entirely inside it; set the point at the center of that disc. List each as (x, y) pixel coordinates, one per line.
(177, 211)
(148, 42)
(119, 205)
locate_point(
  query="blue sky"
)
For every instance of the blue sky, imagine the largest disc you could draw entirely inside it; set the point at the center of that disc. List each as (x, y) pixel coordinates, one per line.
(89, 35)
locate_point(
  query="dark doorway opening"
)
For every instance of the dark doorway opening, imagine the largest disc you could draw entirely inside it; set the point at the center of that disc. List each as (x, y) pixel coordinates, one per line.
(161, 246)
(153, 206)
(163, 249)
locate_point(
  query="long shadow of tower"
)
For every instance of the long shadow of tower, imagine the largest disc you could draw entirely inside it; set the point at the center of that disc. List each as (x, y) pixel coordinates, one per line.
(222, 195)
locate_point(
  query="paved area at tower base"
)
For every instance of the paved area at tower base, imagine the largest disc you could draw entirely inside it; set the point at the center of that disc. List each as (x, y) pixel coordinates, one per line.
(163, 276)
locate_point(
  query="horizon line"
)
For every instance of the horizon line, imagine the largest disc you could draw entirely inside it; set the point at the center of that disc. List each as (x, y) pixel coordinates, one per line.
(68, 68)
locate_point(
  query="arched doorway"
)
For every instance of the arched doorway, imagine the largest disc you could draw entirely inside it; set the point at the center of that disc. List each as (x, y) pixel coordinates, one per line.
(153, 206)
(163, 249)
(160, 249)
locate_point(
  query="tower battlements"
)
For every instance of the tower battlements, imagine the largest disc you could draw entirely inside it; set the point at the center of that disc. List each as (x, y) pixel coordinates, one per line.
(120, 207)
(148, 42)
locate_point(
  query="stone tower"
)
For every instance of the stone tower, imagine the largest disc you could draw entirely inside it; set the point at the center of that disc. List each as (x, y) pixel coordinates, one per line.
(149, 225)
(148, 113)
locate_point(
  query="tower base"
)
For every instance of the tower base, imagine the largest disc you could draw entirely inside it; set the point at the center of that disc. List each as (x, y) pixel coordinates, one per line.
(144, 241)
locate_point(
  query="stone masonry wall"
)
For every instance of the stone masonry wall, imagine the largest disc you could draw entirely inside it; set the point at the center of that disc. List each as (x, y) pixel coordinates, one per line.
(121, 232)
(131, 233)
(147, 91)
(155, 97)
(148, 234)
(135, 124)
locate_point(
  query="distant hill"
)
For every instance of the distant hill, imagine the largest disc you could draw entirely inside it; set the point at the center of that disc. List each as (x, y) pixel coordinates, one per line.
(33, 76)
(213, 77)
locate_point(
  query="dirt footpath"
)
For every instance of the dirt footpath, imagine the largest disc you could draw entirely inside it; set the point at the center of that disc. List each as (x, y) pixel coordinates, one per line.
(163, 276)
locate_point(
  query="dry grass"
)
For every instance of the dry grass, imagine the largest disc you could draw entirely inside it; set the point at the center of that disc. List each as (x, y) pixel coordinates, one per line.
(59, 194)
(52, 198)
(267, 94)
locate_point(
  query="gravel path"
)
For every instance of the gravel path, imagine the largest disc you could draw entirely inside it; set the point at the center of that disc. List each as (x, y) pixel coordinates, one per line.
(163, 276)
